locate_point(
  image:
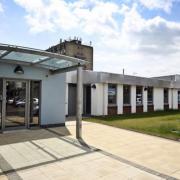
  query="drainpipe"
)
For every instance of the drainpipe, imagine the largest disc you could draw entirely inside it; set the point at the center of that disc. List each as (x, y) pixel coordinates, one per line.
(79, 103)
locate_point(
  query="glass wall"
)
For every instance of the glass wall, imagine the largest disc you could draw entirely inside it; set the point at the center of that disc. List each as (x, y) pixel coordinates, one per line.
(16, 94)
(112, 94)
(150, 95)
(35, 89)
(166, 96)
(126, 95)
(15, 103)
(139, 95)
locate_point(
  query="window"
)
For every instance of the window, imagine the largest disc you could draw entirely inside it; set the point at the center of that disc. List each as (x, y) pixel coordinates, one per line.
(139, 95)
(112, 91)
(126, 95)
(150, 95)
(166, 97)
(178, 97)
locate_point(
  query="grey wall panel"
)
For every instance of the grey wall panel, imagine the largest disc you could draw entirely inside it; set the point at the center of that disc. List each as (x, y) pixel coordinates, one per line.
(53, 100)
(90, 77)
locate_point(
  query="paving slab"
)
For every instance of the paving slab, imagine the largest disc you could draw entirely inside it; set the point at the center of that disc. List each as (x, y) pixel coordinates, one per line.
(157, 154)
(55, 154)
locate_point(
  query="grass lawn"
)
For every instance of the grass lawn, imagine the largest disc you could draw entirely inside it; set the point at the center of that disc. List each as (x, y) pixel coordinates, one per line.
(163, 124)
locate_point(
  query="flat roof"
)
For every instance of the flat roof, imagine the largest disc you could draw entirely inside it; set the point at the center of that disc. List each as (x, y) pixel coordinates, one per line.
(35, 57)
(90, 77)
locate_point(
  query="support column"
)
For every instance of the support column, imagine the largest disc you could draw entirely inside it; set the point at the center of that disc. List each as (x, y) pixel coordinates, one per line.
(145, 100)
(170, 99)
(79, 103)
(105, 99)
(133, 99)
(120, 98)
(158, 99)
(175, 99)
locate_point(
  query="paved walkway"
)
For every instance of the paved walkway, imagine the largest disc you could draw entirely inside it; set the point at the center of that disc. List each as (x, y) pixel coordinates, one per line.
(54, 154)
(154, 154)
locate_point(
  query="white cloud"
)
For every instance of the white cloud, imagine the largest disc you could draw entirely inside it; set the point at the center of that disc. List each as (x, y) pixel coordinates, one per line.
(91, 16)
(165, 5)
(142, 46)
(146, 47)
(155, 35)
(1, 8)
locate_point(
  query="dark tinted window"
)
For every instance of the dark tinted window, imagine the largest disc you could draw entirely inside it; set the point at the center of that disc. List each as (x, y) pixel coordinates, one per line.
(126, 95)
(166, 97)
(178, 97)
(112, 90)
(150, 95)
(139, 95)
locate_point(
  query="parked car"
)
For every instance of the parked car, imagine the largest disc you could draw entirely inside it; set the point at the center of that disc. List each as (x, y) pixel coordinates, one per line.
(10, 101)
(35, 101)
(20, 103)
(35, 110)
(17, 101)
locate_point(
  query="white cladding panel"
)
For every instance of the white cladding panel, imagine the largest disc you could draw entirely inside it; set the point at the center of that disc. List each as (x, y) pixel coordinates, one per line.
(99, 100)
(170, 96)
(145, 100)
(133, 99)
(105, 103)
(53, 99)
(120, 98)
(175, 99)
(158, 99)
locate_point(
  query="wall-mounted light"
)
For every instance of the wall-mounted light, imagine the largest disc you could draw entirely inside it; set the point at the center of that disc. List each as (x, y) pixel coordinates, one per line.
(145, 88)
(18, 70)
(93, 86)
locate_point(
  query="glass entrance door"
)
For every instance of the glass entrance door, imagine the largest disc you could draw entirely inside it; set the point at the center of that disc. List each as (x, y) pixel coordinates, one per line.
(16, 103)
(35, 89)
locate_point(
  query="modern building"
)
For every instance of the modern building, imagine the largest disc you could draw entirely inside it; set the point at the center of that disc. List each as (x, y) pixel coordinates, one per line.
(75, 48)
(41, 88)
(33, 87)
(111, 94)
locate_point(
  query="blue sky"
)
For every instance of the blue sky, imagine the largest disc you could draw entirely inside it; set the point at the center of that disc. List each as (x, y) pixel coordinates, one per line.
(142, 36)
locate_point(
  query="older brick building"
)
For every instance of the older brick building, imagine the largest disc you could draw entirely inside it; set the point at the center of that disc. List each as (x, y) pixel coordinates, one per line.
(75, 48)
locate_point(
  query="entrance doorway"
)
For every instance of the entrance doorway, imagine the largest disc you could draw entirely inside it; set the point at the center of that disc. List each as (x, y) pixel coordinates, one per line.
(72, 99)
(35, 97)
(19, 103)
(16, 103)
(87, 99)
(72, 89)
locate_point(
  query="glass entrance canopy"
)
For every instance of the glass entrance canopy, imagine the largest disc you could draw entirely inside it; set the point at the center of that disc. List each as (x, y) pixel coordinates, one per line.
(39, 58)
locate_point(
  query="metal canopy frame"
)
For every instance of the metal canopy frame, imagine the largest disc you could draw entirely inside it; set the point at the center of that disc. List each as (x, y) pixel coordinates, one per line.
(40, 58)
